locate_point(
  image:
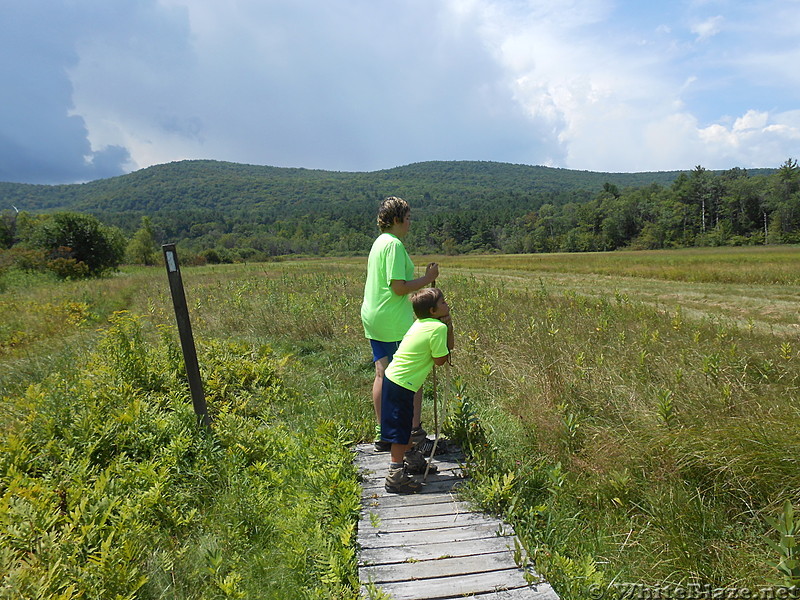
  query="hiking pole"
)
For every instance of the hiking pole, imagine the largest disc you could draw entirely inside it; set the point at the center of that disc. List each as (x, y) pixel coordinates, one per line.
(435, 418)
(435, 426)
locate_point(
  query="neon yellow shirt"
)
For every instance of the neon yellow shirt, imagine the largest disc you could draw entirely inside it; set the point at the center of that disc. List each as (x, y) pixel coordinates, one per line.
(425, 340)
(385, 315)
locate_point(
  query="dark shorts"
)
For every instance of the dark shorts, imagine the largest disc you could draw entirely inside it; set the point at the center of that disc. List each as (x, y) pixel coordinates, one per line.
(383, 349)
(397, 411)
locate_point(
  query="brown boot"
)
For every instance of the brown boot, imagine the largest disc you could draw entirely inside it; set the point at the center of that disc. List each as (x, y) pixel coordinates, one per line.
(418, 435)
(398, 482)
(416, 463)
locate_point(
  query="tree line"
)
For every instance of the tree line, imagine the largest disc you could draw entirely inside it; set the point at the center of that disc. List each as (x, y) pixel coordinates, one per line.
(698, 208)
(701, 208)
(221, 212)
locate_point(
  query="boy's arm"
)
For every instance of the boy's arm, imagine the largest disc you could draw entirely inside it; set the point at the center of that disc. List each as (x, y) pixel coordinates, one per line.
(447, 320)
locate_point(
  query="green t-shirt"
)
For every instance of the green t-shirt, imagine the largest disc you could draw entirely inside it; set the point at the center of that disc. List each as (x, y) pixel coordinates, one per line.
(426, 340)
(385, 315)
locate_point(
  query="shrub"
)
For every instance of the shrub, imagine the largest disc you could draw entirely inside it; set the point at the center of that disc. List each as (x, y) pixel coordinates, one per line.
(68, 268)
(109, 490)
(82, 238)
(142, 248)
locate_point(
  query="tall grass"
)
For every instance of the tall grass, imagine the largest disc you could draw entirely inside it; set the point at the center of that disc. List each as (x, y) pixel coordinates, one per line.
(110, 491)
(670, 434)
(752, 265)
(673, 438)
(629, 430)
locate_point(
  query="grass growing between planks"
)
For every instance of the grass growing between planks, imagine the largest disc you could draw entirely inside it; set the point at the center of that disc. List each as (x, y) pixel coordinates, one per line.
(630, 429)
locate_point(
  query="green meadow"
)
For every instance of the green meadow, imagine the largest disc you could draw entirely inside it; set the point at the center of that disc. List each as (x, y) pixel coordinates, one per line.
(633, 415)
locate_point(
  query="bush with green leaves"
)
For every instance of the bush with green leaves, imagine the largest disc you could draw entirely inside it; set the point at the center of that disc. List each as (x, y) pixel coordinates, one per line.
(80, 238)
(142, 248)
(108, 489)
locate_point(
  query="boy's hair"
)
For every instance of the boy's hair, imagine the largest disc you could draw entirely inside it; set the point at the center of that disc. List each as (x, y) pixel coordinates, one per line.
(425, 300)
(390, 209)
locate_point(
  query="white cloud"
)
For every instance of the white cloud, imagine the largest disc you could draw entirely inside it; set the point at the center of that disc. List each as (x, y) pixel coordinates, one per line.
(591, 89)
(755, 139)
(620, 102)
(750, 121)
(707, 28)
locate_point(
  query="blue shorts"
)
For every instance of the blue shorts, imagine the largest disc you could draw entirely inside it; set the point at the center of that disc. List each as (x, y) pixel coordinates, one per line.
(397, 411)
(383, 349)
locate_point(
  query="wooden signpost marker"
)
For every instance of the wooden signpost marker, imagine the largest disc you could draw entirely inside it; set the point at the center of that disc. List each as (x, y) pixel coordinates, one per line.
(185, 332)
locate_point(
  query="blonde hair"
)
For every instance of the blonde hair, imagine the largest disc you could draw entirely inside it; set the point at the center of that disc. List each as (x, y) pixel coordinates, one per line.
(392, 208)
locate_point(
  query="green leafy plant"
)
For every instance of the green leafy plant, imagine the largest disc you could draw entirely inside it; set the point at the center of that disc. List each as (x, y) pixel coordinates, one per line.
(463, 424)
(571, 426)
(787, 549)
(666, 407)
(496, 491)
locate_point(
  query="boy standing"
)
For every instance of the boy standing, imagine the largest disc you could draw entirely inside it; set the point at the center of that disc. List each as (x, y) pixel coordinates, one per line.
(428, 342)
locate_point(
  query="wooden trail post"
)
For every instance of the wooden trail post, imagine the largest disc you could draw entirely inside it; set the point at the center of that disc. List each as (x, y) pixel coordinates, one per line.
(185, 332)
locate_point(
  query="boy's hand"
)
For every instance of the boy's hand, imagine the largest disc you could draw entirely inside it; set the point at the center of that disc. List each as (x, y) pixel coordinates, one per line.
(446, 319)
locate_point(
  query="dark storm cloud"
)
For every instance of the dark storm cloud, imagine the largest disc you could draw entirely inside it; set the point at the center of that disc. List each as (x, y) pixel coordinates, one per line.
(39, 141)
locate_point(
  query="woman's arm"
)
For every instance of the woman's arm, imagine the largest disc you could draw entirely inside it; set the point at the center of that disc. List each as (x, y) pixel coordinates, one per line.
(402, 287)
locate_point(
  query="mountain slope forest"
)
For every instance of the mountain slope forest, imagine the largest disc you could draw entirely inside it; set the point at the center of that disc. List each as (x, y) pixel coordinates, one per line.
(226, 212)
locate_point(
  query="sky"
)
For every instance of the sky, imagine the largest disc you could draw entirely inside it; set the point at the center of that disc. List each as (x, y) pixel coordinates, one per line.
(97, 88)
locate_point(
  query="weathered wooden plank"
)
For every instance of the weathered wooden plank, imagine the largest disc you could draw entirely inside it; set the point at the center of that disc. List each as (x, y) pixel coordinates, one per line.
(379, 464)
(413, 509)
(379, 472)
(424, 524)
(435, 484)
(379, 469)
(371, 460)
(451, 534)
(400, 502)
(443, 567)
(375, 500)
(434, 550)
(376, 465)
(541, 591)
(450, 587)
(377, 479)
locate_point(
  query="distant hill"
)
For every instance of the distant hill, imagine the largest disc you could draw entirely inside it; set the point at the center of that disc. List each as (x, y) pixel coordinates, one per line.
(244, 211)
(222, 186)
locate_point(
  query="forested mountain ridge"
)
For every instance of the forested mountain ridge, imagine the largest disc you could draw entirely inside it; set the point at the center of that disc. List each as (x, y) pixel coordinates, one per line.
(221, 185)
(233, 211)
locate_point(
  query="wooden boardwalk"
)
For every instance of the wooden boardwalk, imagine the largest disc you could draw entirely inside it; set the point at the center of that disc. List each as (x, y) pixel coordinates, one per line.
(430, 545)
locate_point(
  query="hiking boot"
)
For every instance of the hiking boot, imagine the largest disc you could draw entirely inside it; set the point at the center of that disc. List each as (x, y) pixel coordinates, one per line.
(418, 434)
(416, 464)
(426, 446)
(398, 482)
(380, 445)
